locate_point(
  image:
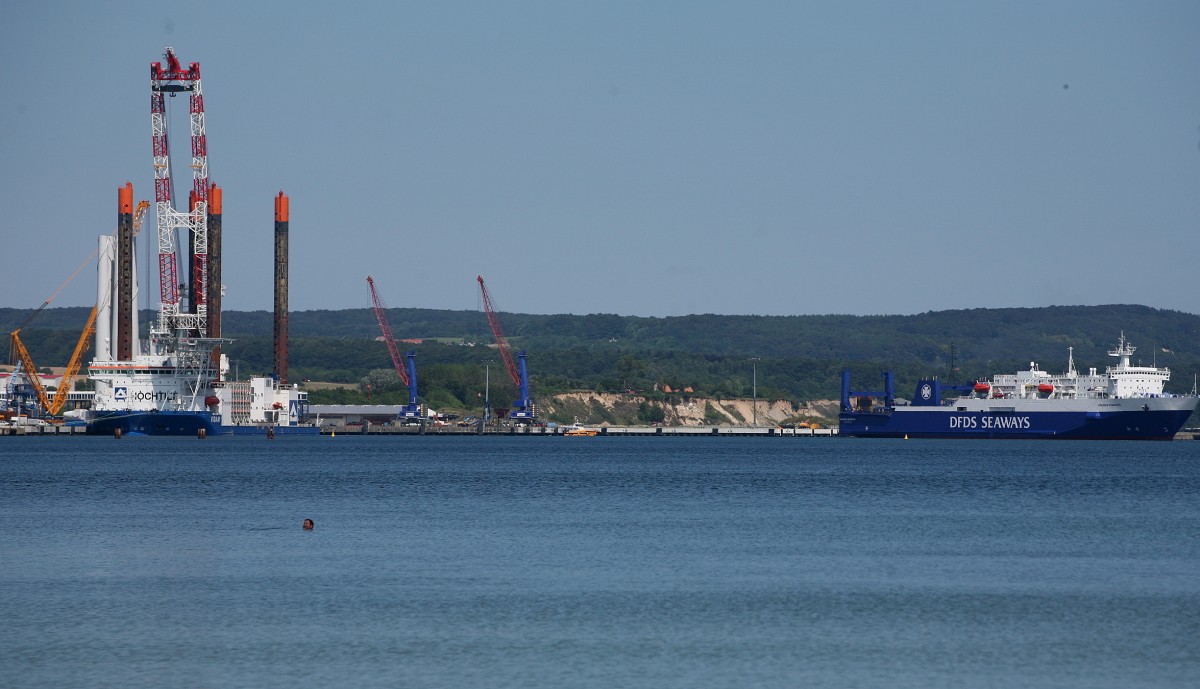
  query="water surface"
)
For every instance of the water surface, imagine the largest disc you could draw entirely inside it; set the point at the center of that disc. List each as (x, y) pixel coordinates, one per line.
(598, 562)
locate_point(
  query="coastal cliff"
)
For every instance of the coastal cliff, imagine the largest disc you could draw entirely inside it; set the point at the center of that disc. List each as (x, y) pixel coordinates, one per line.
(596, 408)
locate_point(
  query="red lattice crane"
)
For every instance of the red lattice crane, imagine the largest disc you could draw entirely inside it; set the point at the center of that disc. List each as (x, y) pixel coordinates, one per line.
(411, 411)
(501, 342)
(381, 316)
(523, 409)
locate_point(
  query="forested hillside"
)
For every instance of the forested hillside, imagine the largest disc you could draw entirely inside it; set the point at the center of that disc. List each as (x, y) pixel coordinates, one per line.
(796, 357)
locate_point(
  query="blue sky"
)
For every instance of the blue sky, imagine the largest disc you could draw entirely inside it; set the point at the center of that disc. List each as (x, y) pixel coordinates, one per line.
(638, 158)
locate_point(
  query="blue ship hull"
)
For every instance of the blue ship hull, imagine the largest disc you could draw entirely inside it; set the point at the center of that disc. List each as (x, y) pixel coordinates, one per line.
(180, 423)
(1156, 424)
(153, 423)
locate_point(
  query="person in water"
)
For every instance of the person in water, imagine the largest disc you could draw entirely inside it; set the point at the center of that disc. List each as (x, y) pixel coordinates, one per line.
(308, 525)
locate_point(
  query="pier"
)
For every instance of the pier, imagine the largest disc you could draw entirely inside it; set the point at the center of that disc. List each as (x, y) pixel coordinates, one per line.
(373, 430)
(604, 431)
(42, 429)
(63, 430)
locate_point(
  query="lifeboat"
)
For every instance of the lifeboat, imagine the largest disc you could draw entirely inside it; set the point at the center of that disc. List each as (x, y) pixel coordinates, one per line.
(982, 388)
(277, 405)
(1045, 389)
(211, 401)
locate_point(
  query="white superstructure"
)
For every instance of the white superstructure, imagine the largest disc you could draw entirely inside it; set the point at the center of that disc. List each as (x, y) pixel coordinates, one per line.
(1122, 381)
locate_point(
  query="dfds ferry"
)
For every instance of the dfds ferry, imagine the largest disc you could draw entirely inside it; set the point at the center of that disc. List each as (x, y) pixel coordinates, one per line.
(1125, 402)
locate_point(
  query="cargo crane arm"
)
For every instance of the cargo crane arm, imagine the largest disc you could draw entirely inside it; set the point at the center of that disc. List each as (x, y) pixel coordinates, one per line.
(525, 410)
(501, 342)
(411, 411)
(68, 378)
(54, 406)
(22, 355)
(17, 350)
(381, 316)
(139, 215)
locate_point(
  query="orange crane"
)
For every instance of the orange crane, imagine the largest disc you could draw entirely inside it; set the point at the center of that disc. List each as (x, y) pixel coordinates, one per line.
(139, 215)
(17, 350)
(53, 407)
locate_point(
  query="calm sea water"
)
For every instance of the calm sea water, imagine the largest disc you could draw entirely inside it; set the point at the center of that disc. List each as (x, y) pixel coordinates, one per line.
(598, 562)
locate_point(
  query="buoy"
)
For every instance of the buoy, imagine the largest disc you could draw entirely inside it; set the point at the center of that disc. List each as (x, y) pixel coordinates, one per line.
(906, 436)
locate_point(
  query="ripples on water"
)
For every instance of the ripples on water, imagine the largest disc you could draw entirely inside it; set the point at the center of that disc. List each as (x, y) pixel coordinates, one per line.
(598, 562)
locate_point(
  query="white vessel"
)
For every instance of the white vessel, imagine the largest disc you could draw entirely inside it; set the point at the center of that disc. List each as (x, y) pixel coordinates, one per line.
(174, 382)
(1125, 402)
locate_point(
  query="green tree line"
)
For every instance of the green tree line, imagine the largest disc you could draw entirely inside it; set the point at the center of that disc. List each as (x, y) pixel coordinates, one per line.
(796, 357)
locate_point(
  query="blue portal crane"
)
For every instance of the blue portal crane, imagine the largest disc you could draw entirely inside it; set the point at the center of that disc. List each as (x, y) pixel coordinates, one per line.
(523, 409)
(407, 374)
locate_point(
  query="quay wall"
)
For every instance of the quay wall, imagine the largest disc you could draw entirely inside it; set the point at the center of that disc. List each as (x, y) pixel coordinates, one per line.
(622, 431)
(616, 431)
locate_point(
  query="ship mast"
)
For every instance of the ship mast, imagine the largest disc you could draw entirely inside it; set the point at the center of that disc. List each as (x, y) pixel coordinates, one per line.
(1123, 352)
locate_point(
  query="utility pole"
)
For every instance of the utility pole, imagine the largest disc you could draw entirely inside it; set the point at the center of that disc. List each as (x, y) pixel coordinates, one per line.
(754, 387)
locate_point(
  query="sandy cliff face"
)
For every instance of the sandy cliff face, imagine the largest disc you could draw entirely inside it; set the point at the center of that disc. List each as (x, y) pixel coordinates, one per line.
(615, 409)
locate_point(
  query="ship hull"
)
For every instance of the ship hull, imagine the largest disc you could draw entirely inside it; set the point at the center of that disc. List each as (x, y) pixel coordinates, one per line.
(1127, 419)
(153, 423)
(188, 423)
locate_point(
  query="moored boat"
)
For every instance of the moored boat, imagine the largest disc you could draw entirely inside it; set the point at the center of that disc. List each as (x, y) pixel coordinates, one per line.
(1125, 402)
(175, 381)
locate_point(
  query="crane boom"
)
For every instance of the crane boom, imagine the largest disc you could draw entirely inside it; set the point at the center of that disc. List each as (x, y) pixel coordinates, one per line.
(66, 282)
(524, 409)
(30, 370)
(138, 215)
(53, 407)
(501, 342)
(381, 316)
(68, 377)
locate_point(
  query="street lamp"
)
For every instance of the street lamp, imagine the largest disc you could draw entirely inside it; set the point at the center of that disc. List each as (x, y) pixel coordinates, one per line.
(487, 399)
